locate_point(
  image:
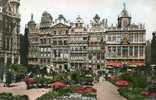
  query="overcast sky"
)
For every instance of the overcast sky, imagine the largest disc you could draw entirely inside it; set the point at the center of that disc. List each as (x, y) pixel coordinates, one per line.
(142, 11)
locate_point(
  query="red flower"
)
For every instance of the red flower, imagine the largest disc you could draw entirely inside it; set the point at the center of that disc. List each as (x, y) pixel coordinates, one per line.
(58, 85)
(122, 83)
(148, 93)
(145, 93)
(84, 90)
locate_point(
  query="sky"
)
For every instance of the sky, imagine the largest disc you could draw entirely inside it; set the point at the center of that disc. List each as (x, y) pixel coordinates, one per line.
(141, 11)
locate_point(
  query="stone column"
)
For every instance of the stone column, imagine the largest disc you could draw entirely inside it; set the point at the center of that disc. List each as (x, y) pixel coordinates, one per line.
(128, 51)
(117, 51)
(78, 65)
(5, 59)
(6, 42)
(133, 50)
(5, 64)
(19, 58)
(138, 52)
(13, 59)
(144, 51)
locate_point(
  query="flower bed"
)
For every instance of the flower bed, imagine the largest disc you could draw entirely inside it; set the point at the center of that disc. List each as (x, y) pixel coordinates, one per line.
(131, 86)
(58, 85)
(10, 96)
(122, 83)
(149, 93)
(132, 94)
(85, 90)
(68, 91)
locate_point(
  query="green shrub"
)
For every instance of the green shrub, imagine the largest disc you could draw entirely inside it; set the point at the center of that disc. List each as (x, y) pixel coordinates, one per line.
(23, 97)
(135, 80)
(43, 81)
(132, 94)
(90, 95)
(10, 96)
(52, 94)
(58, 77)
(8, 78)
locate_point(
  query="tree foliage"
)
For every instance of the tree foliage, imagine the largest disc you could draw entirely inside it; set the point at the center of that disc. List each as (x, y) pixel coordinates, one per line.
(17, 69)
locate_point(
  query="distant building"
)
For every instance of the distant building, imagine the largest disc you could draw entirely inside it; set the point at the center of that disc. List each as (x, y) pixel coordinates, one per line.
(78, 43)
(153, 49)
(126, 42)
(9, 34)
(148, 52)
(97, 42)
(60, 47)
(61, 44)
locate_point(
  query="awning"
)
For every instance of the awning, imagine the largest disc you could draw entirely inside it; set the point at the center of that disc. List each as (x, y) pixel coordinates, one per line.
(138, 62)
(114, 63)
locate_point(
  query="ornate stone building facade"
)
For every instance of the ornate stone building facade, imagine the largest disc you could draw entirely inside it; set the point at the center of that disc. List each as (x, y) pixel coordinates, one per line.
(60, 47)
(9, 34)
(48, 42)
(96, 48)
(125, 42)
(78, 43)
(62, 44)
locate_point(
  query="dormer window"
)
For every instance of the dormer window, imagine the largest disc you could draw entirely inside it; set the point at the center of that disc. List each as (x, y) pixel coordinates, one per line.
(66, 31)
(54, 32)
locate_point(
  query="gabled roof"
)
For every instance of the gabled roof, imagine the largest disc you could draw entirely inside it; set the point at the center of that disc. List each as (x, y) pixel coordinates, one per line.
(60, 25)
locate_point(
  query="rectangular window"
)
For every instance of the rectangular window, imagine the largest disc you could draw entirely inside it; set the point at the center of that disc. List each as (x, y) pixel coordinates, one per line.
(141, 51)
(114, 38)
(98, 56)
(60, 42)
(136, 51)
(90, 56)
(55, 53)
(84, 38)
(131, 51)
(54, 42)
(109, 38)
(125, 51)
(109, 49)
(65, 42)
(102, 56)
(119, 50)
(131, 38)
(114, 49)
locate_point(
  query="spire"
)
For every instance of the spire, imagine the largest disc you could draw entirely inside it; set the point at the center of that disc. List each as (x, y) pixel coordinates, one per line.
(124, 12)
(32, 17)
(124, 5)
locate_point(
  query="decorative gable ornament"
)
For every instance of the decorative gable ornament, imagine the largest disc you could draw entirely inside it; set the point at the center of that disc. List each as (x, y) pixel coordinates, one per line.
(125, 40)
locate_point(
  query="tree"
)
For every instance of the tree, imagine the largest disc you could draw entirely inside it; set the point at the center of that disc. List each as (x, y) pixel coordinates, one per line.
(153, 49)
(8, 78)
(24, 43)
(18, 70)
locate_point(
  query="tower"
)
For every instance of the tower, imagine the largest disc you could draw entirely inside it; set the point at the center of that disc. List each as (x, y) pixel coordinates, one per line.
(79, 22)
(124, 20)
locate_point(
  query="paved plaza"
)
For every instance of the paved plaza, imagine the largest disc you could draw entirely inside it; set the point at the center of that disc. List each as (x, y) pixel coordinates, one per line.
(20, 89)
(105, 91)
